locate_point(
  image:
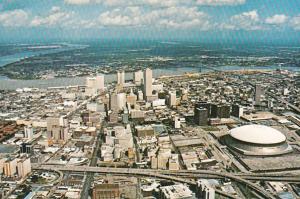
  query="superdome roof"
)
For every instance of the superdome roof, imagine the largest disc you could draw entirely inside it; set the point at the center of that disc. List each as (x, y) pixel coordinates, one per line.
(257, 134)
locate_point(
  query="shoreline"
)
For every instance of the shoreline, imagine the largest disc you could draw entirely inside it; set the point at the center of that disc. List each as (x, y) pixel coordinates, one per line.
(14, 58)
(13, 84)
(204, 68)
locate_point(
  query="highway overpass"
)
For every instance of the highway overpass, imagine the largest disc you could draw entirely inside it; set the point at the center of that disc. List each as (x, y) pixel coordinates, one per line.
(163, 174)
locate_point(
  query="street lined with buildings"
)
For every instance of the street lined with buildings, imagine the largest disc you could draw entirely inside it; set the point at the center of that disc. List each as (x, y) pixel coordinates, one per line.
(197, 135)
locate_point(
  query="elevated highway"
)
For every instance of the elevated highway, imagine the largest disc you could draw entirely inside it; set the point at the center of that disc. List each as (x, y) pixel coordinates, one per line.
(169, 175)
(280, 178)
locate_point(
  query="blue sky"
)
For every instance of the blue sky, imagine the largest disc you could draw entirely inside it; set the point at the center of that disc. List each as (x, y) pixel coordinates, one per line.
(201, 20)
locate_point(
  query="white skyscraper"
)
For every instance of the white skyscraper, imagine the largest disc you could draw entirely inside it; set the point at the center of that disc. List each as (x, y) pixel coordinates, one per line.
(90, 82)
(10, 167)
(28, 132)
(172, 98)
(113, 102)
(121, 77)
(2, 161)
(100, 82)
(177, 123)
(94, 85)
(121, 100)
(138, 77)
(140, 96)
(23, 167)
(147, 83)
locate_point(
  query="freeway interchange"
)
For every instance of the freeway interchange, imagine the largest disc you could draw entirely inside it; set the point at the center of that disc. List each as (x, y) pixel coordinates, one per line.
(184, 175)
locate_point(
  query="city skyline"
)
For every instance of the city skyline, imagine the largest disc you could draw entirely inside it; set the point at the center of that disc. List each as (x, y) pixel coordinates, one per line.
(201, 20)
(150, 99)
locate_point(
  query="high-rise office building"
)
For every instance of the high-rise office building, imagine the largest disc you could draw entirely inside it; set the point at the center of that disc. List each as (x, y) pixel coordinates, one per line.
(23, 167)
(220, 111)
(237, 110)
(177, 123)
(26, 148)
(57, 129)
(100, 82)
(90, 82)
(2, 161)
(94, 85)
(206, 105)
(10, 167)
(59, 134)
(258, 93)
(121, 100)
(125, 117)
(172, 98)
(184, 94)
(121, 77)
(215, 108)
(28, 132)
(52, 121)
(147, 83)
(201, 116)
(224, 111)
(117, 101)
(113, 102)
(90, 86)
(140, 96)
(138, 77)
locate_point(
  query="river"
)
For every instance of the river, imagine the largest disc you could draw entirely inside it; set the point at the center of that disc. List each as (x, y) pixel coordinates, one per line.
(10, 84)
(43, 50)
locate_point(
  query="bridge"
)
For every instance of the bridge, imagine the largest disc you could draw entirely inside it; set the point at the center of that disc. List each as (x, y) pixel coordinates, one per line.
(179, 176)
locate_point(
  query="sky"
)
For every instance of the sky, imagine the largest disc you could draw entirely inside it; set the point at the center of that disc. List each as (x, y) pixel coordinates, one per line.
(197, 20)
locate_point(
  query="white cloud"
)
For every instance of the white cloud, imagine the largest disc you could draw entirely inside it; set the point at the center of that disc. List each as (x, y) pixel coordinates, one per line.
(77, 2)
(162, 17)
(14, 18)
(247, 16)
(130, 16)
(126, 3)
(55, 9)
(179, 17)
(166, 3)
(55, 17)
(246, 21)
(220, 2)
(80, 24)
(158, 14)
(171, 17)
(295, 22)
(277, 19)
(226, 26)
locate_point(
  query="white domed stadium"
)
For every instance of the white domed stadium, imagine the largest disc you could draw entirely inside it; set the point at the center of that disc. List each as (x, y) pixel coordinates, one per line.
(257, 140)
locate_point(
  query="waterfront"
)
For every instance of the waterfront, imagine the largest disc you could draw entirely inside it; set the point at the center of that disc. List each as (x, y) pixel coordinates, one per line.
(11, 84)
(34, 50)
